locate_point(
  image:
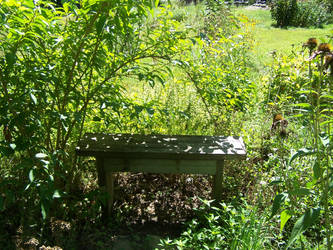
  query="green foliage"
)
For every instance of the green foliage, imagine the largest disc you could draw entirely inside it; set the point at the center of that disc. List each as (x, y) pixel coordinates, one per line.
(307, 196)
(127, 66)
(304, 222)
(286, 78)
(283, 12)
(300, 13)
(312, 13)
(61, 70)
(218, 66)
(228, 226)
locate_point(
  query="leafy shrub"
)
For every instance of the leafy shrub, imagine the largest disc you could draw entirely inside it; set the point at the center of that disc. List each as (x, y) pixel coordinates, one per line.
(286, 77)
(283, 12)
(311, 13)
(300, 13)
(217, 66)
(59, 69)
(305, 170)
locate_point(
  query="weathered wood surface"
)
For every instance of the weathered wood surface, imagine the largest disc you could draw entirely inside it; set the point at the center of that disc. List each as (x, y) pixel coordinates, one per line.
(128, 146)
(158, 166)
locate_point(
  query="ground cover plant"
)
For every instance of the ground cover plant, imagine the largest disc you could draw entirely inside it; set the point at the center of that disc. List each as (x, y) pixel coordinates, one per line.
(150, 67)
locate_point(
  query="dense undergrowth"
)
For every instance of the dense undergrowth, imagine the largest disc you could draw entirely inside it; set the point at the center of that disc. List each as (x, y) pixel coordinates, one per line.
(170, 70)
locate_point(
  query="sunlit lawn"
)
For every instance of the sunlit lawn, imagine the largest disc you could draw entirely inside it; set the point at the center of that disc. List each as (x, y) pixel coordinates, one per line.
(269, 38)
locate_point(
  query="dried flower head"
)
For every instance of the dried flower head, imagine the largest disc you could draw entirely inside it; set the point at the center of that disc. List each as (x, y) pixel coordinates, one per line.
(311, 43)
(280, 124)
(324, 47)
(277, 117)
(328, 59)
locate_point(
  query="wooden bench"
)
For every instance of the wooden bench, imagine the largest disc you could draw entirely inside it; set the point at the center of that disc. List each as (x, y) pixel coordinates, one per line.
(159, 154)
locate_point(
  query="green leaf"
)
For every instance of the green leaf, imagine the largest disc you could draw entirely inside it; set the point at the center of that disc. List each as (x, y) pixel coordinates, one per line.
(326, 96)
(12, 146)
(300, 192)
(29, 4)
(278, 200)
(317, 171)
(46, 163)
(302, 105)
(97, 119)
(11, 59)
(100, 24)
(56, 194)
(303, 223)
(40, 155)
(66, 7)
(43, 211)
(33, 98)
(27, 187)
(284, 217)
(150, 111)
(31, 175)
(300, 153)
(325, 140)
(275, 182)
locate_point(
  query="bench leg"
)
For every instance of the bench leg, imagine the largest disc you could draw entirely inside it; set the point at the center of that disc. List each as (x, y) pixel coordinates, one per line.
(100, 172)
(218, 180)
(106, 183)
(110, 191)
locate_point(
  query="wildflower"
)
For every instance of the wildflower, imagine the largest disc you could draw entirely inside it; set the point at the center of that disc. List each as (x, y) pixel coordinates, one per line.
(311, 43)
(277, 117)
(328, 59)
(280, 123)
(324, 47)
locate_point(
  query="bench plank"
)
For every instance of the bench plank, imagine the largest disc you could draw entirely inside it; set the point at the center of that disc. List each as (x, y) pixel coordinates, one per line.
(161, 146)
(160, 167)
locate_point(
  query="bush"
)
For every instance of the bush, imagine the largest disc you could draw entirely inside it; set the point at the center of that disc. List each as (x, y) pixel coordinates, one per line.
(300, 13)
(311, 13)
(283, 12)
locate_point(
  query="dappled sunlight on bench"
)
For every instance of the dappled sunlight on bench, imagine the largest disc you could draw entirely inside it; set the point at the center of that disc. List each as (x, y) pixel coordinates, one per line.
(157, 146)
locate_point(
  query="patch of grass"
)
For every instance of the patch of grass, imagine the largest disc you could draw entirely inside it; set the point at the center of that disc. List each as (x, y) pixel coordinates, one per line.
(269, 38)
(261, 16)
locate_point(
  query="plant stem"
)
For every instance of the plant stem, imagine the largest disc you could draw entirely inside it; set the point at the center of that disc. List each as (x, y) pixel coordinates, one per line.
(325, 184)
(327, 210)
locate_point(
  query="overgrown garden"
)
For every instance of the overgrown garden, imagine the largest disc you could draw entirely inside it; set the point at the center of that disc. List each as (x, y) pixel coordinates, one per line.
(163, 67)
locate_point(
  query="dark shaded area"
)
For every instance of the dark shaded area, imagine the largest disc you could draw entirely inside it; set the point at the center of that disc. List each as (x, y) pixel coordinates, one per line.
(146, 204)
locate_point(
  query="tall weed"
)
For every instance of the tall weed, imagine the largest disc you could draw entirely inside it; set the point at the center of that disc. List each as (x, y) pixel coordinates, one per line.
(301, 194)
